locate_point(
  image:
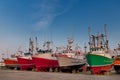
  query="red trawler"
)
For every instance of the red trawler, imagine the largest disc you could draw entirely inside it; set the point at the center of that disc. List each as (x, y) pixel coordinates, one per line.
(45, 60)
(11, 62)
(26, 62)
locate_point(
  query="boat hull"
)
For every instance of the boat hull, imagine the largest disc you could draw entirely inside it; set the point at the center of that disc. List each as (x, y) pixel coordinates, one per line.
(70, 64)
(67, 61)
(117, 64)
(99, 63)
(9, 62)
(101, 69)
(45, 61)
(25, 63)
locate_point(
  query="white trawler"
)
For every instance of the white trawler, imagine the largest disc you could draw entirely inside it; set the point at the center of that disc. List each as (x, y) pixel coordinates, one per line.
(71, 60)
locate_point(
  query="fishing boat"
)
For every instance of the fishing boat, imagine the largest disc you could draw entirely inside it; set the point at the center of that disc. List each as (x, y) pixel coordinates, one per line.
(45, 59)
(2, 64)
(11, 62)
(25, 61)
(117, 60)
(98, 57)
(70, 60)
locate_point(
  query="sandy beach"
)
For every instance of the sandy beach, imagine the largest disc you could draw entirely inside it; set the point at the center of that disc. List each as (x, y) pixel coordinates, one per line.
(32, 75)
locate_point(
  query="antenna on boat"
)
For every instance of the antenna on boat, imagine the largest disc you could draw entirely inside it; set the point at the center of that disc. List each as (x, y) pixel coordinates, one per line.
(48, 45)
(45, 39)
(70, 42)
(31, 46)
(85, 48)
(51, 40)
(118, 45)
(106, 35)
(89, 37)
(36, 44)
(98, 40)
(89, 34)
(7, 53)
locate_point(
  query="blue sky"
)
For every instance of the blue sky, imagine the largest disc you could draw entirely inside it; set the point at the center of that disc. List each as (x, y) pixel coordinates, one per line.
(22, 19)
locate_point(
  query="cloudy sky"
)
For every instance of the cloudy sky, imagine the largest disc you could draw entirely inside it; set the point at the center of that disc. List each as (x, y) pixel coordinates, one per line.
(56, 20)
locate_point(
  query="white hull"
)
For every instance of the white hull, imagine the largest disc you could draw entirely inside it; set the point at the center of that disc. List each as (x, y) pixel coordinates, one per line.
(101, 53)
(26, 57)
(45, 56)
(2, 64)
(67, 61)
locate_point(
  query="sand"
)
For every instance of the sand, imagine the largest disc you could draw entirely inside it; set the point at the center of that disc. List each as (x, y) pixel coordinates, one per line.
(32, 75)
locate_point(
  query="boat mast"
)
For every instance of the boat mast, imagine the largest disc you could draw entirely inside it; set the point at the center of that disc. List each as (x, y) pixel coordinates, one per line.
(48, 45)
(93, 41)
(89, 37)
(70, 42)
(85, 48)
(118, 45)
(31, 46)
(51, 41)
(36, 44)
(98, 40)
(106, 35)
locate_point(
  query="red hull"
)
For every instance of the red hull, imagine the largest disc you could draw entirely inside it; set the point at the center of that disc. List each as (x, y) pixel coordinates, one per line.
(42, 64)
(25, 64)
(101, 69)
(11, 62)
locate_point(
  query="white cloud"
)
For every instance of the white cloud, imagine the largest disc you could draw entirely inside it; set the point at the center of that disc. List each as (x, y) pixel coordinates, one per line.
(43, 23)
(48, 10)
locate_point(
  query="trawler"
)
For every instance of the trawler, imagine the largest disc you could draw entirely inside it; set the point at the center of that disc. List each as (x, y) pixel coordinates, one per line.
(25, 61)
(71, 60)
(98, 57)
(45, 59)
(12, 62)
(117, 60)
